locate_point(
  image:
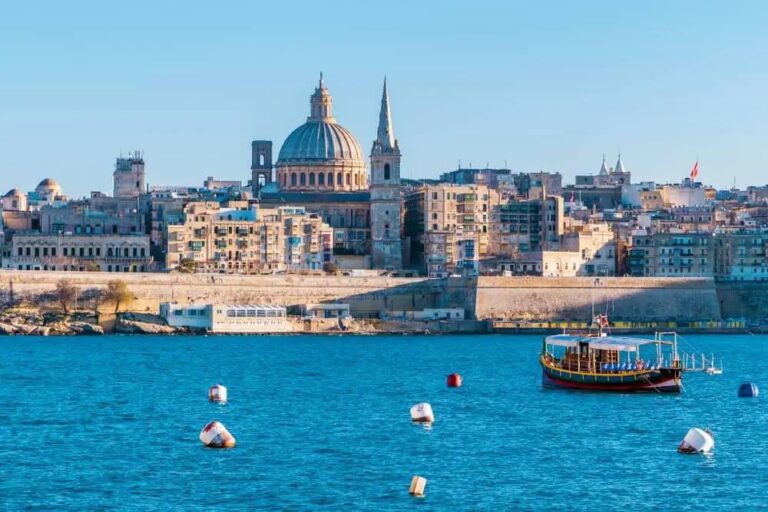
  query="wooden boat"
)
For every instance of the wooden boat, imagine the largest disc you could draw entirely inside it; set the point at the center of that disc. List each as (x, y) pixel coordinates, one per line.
(612, 363)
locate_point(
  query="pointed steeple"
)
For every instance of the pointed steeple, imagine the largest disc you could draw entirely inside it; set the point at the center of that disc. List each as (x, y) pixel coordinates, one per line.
(603, 168)
(385, 135)
(619, 166)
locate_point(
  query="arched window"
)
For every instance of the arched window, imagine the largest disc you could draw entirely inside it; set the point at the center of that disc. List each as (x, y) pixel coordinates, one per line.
(303, 178)
(386, 171)
(357, 179)
(321, 179)
(338, 179)
(261, 159)
(349, 179)
(311, 178)
(330, 179)
(293, 179)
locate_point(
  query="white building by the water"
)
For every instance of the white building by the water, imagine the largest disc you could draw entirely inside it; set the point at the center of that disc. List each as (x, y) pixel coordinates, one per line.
(227, 318)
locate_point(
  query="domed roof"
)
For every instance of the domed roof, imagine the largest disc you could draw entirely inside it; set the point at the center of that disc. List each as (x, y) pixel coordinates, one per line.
(321, 138)
(14, 192)
(48, 184)
(319, 142)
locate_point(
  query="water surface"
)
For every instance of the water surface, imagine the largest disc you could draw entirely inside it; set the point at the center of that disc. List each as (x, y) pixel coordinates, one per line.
(111, 423)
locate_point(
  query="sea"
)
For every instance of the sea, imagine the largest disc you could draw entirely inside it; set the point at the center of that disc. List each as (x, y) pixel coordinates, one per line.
(322, 423)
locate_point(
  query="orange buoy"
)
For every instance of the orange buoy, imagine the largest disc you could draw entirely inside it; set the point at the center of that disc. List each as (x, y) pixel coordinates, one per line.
(217, 393)
(216, 435)
(454, 380)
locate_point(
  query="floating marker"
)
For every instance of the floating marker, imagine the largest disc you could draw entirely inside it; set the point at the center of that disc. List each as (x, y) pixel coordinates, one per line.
(422, 413)
(454, 380)
(697, 441)
(748, 390)
(216, 435)
(217, 393)
(418, 484)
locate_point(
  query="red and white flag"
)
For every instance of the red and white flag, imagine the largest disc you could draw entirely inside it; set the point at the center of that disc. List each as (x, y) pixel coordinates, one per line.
(695, 170)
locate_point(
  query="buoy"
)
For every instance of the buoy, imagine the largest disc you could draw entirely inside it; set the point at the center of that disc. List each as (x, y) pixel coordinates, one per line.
(748, 390)
(422, 413)
(217, 393)
(454, 380)
(697, 441)
(418, 483)
(216, 435)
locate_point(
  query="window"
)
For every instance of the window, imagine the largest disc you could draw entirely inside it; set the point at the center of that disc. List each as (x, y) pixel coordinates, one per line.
(311, 178)
(386, 171)
(321, 179)
(303, 178)
(293, 183)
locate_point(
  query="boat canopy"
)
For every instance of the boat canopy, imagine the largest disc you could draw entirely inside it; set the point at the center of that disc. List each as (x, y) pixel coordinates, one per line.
(620, 343)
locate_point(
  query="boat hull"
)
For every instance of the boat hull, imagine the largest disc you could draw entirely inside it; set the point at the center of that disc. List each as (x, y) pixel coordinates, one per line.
(665, 380)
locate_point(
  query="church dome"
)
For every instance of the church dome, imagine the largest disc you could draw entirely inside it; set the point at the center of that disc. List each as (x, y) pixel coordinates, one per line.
(48, 185)
(320, 141)
(321, 155)
(14, 192)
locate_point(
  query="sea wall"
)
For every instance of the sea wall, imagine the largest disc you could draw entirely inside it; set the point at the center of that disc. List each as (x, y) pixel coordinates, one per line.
(486, 298)
(367, 296)
(573, 298)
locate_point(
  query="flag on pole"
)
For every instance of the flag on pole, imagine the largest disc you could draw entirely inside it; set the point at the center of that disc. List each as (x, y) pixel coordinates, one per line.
(695, 170)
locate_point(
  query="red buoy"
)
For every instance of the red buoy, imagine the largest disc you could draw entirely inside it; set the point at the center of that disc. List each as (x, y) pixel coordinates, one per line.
(454, 380)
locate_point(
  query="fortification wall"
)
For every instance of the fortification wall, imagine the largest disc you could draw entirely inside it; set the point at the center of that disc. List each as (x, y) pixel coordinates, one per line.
(502, 298)
(367, 296)
(572, 299)
(744, 300)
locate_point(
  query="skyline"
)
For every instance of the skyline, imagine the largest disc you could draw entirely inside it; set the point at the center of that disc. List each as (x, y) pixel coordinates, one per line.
(541, 88)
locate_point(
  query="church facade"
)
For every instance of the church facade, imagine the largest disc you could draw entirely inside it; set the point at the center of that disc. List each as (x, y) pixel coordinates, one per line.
(321, 167)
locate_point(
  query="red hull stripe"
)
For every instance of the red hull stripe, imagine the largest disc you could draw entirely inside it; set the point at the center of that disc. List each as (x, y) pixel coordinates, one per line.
(665, 385)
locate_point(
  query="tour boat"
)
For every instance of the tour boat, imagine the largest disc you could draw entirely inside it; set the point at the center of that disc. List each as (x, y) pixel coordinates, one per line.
(601, 362)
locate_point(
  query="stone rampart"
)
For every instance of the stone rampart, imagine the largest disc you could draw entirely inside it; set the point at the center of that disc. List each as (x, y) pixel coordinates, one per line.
(573, 298)
(499, 298)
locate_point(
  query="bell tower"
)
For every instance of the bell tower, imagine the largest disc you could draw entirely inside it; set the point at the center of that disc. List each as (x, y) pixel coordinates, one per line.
(386, 194)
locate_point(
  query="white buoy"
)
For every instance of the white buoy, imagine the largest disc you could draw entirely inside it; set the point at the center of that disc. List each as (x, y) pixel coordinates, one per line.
(217, 393)
(422, 413)
(697, 441)
(216, 435)
(418, 484)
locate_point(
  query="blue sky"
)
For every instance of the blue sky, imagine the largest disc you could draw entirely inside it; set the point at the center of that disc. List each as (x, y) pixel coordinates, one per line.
(546, 85)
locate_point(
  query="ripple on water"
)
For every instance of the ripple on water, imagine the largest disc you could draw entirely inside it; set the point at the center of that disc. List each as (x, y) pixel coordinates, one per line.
(323, 423)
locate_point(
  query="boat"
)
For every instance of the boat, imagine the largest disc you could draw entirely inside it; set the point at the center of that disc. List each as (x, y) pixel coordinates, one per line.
(714, 370)
(602, 362)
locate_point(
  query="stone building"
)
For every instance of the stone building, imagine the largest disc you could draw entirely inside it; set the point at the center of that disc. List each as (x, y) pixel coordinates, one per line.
(526, 225)
(672, 254)
(321, 155)
(441, 218)
(741, 255)
(386, 197)
(242, 239)
(14, 201)
(129, 176)
(105, 253)
(321, 167)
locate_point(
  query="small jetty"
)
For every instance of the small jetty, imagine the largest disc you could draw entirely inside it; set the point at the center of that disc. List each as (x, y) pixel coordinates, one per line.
(701, 363)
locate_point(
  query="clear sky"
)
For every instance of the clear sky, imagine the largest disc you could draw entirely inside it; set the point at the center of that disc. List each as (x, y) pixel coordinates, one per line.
(546, 85)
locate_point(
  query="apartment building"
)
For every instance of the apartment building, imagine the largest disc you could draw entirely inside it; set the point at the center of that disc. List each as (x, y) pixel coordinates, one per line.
(79, 252)
(448, 226)
(242, 239)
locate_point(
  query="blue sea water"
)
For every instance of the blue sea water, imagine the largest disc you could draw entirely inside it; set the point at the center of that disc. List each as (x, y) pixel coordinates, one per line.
(112, 423)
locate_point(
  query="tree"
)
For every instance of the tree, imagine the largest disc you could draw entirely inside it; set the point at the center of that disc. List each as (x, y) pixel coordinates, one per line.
(65, 293)
(187, 266)
(118, 292)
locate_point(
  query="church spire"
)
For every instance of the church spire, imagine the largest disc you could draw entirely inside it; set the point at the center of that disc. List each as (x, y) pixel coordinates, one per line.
(619, 166)
(385, 135)
(603, 168)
